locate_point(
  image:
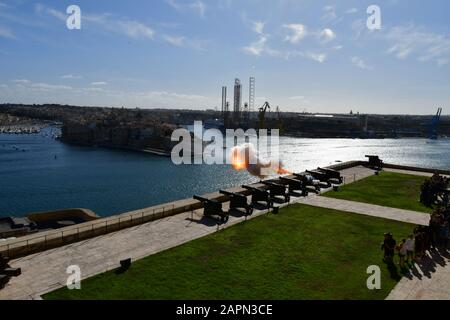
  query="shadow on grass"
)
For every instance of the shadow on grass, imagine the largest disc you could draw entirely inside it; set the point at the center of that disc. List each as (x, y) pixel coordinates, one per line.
(393, 271)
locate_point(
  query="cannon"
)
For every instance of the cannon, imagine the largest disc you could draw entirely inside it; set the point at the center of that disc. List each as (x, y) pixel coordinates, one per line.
(259, 195)
(3, 280)
(321, 176)
(3, 262)
(295, 185)
(308, 180)
(276, 190)
(213, 208)
(332, 174)
(6, 272)
(238, 200)
(375, 162)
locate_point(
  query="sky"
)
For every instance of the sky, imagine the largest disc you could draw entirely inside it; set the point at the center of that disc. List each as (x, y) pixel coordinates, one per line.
(306, 55)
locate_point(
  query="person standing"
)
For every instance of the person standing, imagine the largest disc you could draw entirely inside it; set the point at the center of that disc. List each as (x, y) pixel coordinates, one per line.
(409, 246)
(389, 247)
(401, 249)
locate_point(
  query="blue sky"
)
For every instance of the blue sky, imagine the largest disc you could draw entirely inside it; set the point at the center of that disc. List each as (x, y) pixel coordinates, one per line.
(311, 55)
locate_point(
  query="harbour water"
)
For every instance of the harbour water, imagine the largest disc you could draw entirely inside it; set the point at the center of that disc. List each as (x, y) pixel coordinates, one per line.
(38, 173)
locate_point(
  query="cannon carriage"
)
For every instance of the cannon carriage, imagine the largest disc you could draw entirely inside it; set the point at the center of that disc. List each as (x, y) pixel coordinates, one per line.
(259, 196)
(276, 190)
(375, 162)
(321, 176)
(295, 185)
(309, 181)
(333, 175)
(238, 201)
(213, 208)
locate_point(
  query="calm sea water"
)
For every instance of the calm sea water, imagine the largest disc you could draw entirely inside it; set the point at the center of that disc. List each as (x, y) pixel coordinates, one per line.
(38, 173)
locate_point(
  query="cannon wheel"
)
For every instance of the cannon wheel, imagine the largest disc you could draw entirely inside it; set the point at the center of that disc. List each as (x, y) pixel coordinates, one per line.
(249, 211)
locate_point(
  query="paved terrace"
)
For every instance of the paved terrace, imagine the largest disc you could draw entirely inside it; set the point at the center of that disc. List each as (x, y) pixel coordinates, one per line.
(46, 271)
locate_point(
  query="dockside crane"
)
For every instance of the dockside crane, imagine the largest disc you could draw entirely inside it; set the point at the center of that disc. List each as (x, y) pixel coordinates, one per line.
(434, 125)
(262, 114)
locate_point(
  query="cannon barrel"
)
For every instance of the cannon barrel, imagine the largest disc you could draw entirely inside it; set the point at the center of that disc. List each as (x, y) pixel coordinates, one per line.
(315, 173)
(254, 189)
(231, 194)
(289, 180)
(271, 184)
(202, 199)
(301, 176)
(331, 171)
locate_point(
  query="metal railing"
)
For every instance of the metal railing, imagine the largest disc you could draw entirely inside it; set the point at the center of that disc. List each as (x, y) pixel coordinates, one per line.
(95, 228)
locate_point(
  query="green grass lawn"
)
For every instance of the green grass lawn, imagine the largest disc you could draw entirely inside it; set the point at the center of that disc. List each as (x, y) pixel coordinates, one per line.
(388, 189)
(303, 252)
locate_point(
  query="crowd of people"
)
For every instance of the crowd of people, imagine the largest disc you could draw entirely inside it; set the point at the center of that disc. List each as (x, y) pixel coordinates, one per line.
(412, 249)
(434, 191)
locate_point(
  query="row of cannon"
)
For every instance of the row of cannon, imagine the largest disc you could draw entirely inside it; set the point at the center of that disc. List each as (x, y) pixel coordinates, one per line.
(275, 191)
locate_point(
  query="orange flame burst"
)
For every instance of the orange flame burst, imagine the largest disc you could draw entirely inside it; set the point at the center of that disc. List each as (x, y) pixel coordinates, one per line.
(237, 161)
(281, 170)
(240, 156)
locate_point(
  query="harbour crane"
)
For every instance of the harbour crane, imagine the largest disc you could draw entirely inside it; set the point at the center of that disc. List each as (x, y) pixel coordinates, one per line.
(435, 124)
(262, 114)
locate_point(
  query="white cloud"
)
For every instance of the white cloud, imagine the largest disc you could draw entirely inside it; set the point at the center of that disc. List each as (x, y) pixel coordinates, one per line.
(39, 86)
(257, 47)
(136, 29)
(358, 27)
(48, 87)
(174, 95)
(327, 35)
(176, 41)
(298, 32)
(329, 13)
(99, 83)
(351, 11)
(297, 98)
(184, 42)
(6, 33)
(197, 6)
(258, 27)
(129, 28)
(443, 62)
(360, 63)
(318, 57)
(71, 76)
(21, 81)
(416, 41)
